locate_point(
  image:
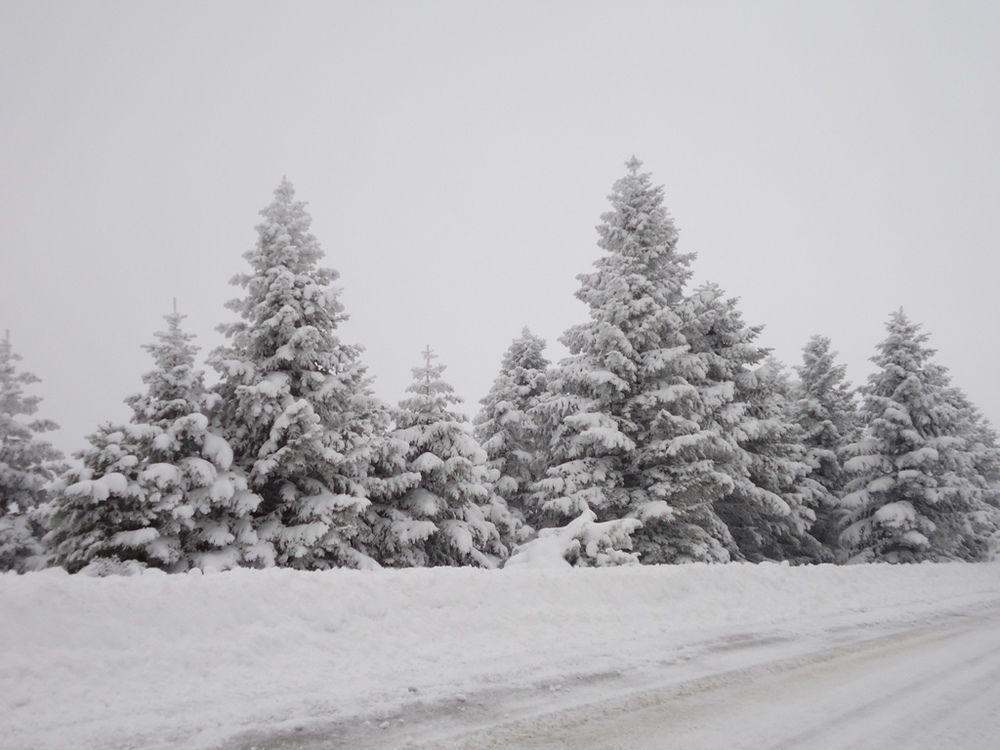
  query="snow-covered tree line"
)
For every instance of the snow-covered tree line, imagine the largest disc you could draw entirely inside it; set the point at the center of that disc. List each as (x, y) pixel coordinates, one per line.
(667, 435)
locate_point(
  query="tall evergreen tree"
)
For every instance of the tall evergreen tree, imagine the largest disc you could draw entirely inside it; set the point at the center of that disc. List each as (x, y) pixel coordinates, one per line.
(297, 404)
(622, 410)
(911, 496)
(159, 491)
(514, 443)
(825, 409)
(452, 516)
(764, 501)
(27, 462)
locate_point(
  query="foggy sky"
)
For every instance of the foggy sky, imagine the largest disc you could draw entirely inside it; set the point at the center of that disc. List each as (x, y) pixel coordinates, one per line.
(829, 162)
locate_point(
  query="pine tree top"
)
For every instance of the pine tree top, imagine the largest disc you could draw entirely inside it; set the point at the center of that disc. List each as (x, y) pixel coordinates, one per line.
(638, 225)
(284, 238)
(174, 387)
(173, 347)
(292, 307)
(819, 371)
(901, 353)
(908, 393)
(525, 353)
(825, 406)
(516, 389)
(717, 326)
(13, 400)
(432, 395)
(638, 284)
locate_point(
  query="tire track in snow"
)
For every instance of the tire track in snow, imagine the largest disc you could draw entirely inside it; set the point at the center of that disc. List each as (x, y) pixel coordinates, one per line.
(745, 690)
(742, 707)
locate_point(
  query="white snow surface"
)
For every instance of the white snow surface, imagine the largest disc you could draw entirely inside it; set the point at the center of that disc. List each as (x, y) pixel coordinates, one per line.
(191, 661)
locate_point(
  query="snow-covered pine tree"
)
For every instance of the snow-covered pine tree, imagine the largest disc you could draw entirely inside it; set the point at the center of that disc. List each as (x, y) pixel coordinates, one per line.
(778, 465)
(977, 465)
(27, 463)
(764, 499)
(159, 491)
(100, 512)
(297, 405)
(825, 408)
(983, 445)
(622, 412)
(209, 523)
(452, 517)
(514, 443)
(911, 495)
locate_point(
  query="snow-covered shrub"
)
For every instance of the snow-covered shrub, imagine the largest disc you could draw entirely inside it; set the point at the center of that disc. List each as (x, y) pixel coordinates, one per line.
(583, 542)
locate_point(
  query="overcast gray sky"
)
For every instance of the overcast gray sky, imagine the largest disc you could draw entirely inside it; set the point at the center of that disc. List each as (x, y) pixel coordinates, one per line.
(828, 161)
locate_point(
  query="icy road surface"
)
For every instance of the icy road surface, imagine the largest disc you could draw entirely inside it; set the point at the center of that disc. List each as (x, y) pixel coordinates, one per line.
(934, 683)
(692, 657)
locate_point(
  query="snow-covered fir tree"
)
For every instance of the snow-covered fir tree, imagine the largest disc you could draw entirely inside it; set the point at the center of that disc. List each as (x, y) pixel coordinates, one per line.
(159, 491)
(983, 445)
(515, 444)
(825, 408)
(452, 517)
(101, 513)
(27, 463)
(210, 519)
(297, 404)
(763, 497)
(624, 411)
(913, 495)
(778, 468)
(979, 466)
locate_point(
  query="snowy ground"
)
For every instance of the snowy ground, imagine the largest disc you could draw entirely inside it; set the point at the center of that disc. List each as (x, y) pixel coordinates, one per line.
(746, 656)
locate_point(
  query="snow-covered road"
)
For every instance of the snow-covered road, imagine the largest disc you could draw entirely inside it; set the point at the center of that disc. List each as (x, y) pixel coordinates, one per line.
(931, 683)
(733, 656)
(932, 686)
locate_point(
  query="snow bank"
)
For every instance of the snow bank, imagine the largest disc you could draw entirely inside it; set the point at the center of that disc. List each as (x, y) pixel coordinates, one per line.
(157, 661)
